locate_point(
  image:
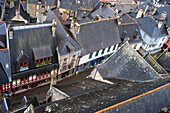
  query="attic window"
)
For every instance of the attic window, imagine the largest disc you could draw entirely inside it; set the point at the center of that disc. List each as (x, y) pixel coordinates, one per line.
(23, 66)
(123, 35)
(103, 51)
(136, 33)
(70, 47)
(2, 45)
(114, 47)
(108, 49)
(43, 61)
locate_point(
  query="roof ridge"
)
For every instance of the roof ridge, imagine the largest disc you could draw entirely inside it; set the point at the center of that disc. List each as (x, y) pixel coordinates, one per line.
(162, 53)
(158, 63)
(133, 98)
(146, 62)
(97, 21)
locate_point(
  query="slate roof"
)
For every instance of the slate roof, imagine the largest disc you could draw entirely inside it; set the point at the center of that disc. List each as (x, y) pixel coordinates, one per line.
(82, 13)
(130, 30)
(1, 6)
(127, 64)
(164, 2)
(126, 19)
(154, 64)
(32, 1)
(26, 40)
(105, 12)
(143, 6)
(130, 27)
(164, 61)
(49, 2)
(69, 5)
(150, 26)
(12, 12)
(81, 87)
(97, 35)
(24, 5)
(102, 98)
(5, 70)
(159, 12)
(62, 36)
(90, 4)
(87, 6)
(140, 0)
(2, 28)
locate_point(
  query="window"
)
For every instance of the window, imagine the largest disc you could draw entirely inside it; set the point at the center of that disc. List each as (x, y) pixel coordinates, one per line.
(108, 49)
(70, 66)
(23, 66)
(90, 56)
(97, 52)
(160, 44)
(103, 51)
(42, 62)
(163, 39)
(74, 56)
(64, 67)
(114, 47)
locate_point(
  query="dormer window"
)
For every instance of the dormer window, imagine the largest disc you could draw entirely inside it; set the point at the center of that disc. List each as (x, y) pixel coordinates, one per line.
(42, 56)
(23, 66)
(42, 62)
(23, 60)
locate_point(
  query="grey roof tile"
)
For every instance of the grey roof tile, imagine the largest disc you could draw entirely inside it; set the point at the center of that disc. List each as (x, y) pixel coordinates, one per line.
(32, 1)
(5, 67)
(150, 26)
(127, 64)
(81, 87)
(2, 28)
(132, 32)
(49, 2)
(62, 36)
(97, 35)
(69, 5)
(159, 12)
(12, 12)
(102, 98)
(164, 61)
(104, 12)
(155, 64)
(24, 5)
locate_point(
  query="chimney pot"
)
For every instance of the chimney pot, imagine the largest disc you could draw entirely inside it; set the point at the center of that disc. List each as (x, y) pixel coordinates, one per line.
(160, 24)
(140, 12)
(163, 16)
(153, 10)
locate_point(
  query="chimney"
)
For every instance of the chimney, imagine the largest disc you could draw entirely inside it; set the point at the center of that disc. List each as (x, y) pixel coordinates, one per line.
(11, 32)
(11, 3)
(144, 13)
(140, 12)
(163, 15)
(17, 13)
(64, 16)
(119, 21)
(153, 10)
(160, 24)
(54, 27)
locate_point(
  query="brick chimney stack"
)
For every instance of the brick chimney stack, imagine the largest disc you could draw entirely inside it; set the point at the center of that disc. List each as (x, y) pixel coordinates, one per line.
(11, 32)
(54, 27)
(163, 15)
(140, 12)
(153, 10)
